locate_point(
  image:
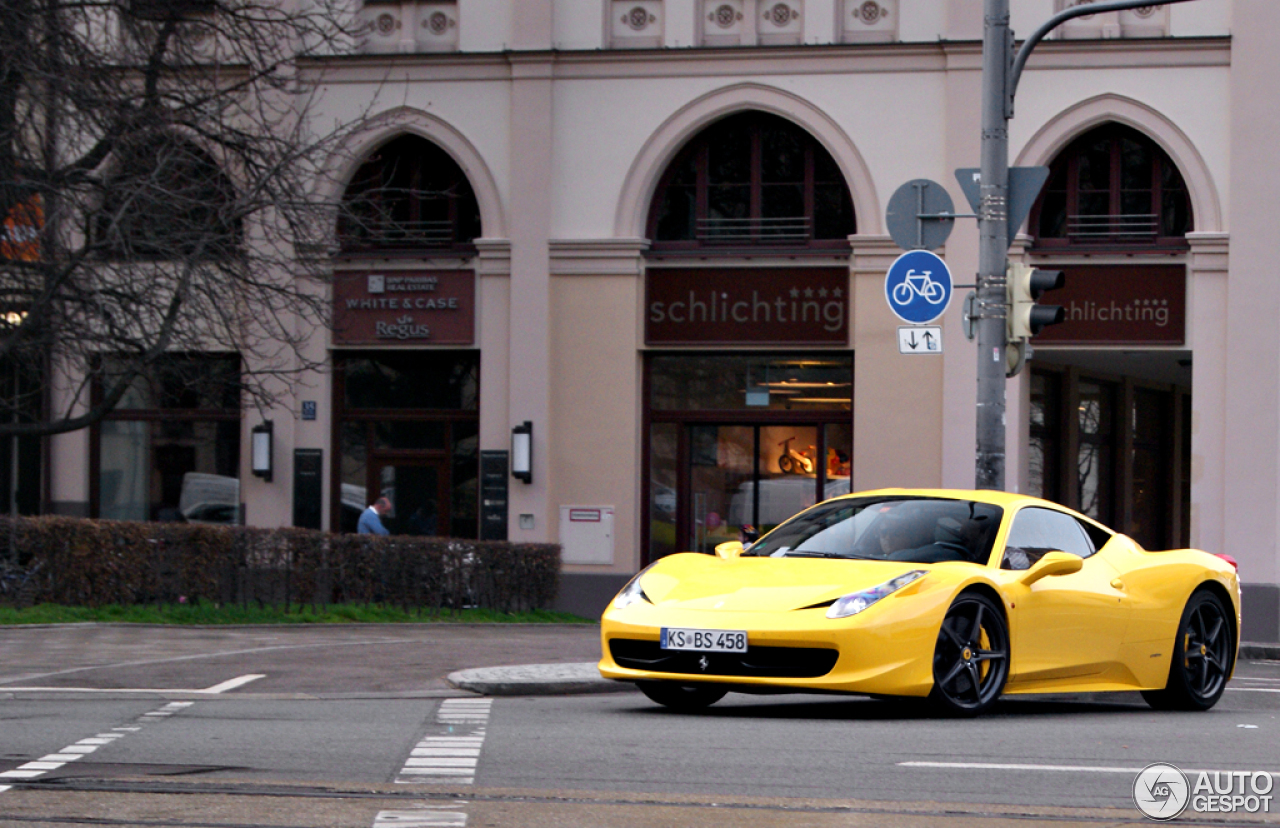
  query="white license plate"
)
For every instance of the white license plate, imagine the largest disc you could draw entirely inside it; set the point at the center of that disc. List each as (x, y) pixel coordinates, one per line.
(704, 641)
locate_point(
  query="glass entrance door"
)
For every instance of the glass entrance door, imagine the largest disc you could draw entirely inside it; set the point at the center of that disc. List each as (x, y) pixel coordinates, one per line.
(419, 502)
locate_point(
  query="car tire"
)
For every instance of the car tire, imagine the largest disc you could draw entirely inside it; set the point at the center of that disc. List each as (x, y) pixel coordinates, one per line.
(971, 657)
(1203, 655)
(683, 697)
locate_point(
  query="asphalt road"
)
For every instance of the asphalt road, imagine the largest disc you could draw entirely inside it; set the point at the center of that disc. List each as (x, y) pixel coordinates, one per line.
(355, 726)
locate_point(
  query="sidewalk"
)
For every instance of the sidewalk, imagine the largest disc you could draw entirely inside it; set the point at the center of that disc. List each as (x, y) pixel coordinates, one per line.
(583, 677)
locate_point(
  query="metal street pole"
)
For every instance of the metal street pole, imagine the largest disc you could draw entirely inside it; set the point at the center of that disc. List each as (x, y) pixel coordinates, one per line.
(993, 220)
(1001, 71)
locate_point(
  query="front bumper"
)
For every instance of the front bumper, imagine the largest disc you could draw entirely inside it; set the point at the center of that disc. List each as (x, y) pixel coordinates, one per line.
(887, 649)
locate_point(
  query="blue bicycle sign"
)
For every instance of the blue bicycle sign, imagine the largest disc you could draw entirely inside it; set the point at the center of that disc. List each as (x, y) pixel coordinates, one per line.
(918, 287)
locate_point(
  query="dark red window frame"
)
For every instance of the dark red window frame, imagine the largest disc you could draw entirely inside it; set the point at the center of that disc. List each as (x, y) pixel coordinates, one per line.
(409, 195)
(1067, 214)
(705, 169)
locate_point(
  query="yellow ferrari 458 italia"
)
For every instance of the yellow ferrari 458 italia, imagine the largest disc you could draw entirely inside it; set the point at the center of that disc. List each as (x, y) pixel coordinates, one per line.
(958, 596)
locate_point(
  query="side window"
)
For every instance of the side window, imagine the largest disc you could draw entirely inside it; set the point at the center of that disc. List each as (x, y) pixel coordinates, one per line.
(1037, 531)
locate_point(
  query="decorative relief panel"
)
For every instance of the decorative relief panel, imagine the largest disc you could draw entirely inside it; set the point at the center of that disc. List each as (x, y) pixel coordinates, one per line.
(635, 24)
(725, 23)
(383, 26)
(1144, 21)
(437, 29)
(869, 21)
(410, 26)
(779, 22)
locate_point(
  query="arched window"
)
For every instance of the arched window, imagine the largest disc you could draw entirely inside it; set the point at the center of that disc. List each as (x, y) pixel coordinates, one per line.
(167, 199)
(1112, 187)
(752, 180)
(409, 195)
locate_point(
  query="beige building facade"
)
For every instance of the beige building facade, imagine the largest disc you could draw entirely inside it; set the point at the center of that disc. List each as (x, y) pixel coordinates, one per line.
(654, 230)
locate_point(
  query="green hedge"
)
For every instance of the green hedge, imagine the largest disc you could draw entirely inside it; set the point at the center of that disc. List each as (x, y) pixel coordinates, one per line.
(77, 562)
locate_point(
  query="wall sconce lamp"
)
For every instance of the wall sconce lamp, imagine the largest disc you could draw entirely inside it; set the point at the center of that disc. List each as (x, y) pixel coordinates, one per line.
(522, 452)
(262, 450)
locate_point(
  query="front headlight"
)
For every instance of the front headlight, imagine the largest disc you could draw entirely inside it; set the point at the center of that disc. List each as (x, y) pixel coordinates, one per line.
(632, 593)
(856, 602)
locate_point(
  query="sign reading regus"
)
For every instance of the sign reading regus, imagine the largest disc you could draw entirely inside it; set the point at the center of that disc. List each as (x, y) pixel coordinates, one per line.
(728, 306)
(418, 307)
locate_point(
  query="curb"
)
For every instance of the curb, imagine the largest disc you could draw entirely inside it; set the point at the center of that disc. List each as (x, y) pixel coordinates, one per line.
(1253, 651)
(537, 680)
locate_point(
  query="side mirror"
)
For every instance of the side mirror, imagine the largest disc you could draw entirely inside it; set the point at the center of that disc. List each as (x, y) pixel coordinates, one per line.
(729, 549)
(1052, 563)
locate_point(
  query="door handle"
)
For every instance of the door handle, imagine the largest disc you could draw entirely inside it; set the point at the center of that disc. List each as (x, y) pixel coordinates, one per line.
(1116, 583)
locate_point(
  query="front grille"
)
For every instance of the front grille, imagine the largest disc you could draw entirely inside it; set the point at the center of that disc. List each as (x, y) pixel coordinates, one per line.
(761, 662)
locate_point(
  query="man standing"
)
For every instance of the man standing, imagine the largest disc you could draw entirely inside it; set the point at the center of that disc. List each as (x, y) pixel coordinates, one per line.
(371, 518)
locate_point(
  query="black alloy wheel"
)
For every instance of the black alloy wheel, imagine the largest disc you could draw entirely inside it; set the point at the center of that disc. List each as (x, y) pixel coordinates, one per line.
(971, 658)
(682, 697)
(1203, 655)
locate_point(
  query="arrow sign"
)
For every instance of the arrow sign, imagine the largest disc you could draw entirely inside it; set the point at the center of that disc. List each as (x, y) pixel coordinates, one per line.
(920, 339)
(1025, 184)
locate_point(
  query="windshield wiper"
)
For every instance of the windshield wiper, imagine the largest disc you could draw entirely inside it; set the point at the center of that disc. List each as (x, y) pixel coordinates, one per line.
(807, 554)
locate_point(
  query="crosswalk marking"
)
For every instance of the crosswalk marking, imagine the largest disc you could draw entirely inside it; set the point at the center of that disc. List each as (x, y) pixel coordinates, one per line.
(84, 747)
(423, 816)
(452, 752)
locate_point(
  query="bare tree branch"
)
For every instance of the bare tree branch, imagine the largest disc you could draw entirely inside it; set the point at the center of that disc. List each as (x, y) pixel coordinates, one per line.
(157, 184)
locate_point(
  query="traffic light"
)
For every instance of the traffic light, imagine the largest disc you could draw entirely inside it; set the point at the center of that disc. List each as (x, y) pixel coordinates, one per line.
(1023, 285)
(1024, 318)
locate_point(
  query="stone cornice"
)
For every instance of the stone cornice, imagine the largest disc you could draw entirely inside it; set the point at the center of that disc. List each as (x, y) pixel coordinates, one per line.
(1210, 252)
(755, 61)
(597, 257)
(493, 257)
(873, 254)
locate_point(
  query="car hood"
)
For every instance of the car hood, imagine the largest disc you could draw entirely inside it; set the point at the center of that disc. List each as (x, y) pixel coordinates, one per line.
(693, 581)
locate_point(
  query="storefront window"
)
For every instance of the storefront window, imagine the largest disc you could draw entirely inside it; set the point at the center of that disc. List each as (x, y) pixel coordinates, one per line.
(740, 443)
(664, 445)
(412, 380)
(22, 388)
(728, 382)
(1042, 451)
(839, 440)
(1122, 455)
(408, 426)
(1094, 456)
(170, 451)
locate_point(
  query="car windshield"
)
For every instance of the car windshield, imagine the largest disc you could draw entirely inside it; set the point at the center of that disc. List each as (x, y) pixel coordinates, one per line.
(919, 530)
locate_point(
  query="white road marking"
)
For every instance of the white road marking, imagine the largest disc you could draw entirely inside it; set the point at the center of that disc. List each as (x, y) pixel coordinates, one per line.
(449, 756)
(1254, 689)
(423, 816)
(231, 684)
(221, 687)
(1050, 768)
(82, 748)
